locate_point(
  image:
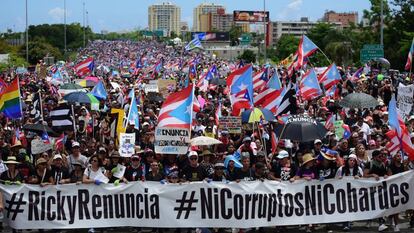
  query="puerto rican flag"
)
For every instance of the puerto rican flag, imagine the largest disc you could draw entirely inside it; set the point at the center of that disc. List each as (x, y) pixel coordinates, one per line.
(240, 101)
(177, 109)
(410, 57)
(60, 141)
(45, 138)
(306, 48)
(309, 87)
(240, 89)
(347, 131)
(329, 124)
(330, 77)
(272, 90)
(218, 113)
(394, 144)
(85, 67)
(397, 125)
(260, 79)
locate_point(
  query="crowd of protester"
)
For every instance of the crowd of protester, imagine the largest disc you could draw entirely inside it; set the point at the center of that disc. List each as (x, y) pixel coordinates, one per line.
(91, 152)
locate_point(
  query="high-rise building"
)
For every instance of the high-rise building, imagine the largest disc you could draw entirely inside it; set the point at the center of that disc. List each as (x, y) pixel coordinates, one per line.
(165, 16)
(216, 21)
(204, 9)
(344, 19)
(294, 28)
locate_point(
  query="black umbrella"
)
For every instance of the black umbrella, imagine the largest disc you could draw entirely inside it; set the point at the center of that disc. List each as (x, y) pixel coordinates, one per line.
(218, 81)
(40, 128)
(358, 100)
(301, 128)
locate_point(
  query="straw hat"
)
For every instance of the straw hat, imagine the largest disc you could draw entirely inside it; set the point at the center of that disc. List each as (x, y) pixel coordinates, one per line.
(11, 160)
(307, 158)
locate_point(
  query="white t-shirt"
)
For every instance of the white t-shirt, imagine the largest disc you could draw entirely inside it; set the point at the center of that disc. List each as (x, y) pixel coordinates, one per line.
(93, 174)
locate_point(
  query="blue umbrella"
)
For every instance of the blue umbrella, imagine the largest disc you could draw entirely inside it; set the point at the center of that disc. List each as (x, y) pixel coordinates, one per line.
(232, 158)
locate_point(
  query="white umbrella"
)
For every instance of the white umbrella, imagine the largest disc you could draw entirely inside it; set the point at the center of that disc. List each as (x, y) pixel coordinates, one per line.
(204, 141)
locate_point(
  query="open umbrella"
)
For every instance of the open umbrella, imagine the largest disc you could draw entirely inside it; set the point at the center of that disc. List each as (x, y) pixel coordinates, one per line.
(301, 128)
(92, 78)
(358, 100)
(71, 86)
(40, 128)
(383, 61)
(204, 141)
(256, 115)
(81, 97)
(86, 83)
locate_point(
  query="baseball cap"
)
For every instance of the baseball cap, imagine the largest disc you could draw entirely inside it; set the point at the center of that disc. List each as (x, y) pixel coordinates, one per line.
(75, 144)
(282, 154)
(192, 153)
(411, 118)
(247, 139)
(57, 156)
(352, 156)
(102, 149)
(372, 142)
(317, 141)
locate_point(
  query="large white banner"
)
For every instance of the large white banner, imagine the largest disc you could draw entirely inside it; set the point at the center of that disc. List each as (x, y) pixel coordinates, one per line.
(202, 204)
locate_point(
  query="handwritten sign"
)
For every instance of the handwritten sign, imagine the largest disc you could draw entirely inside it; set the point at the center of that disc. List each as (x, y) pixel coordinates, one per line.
(231, 123)
(38, 146)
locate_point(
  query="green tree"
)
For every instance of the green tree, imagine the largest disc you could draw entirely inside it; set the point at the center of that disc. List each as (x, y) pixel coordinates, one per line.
(248, 56)
(235, 33)
(40, 48)
(286, 45)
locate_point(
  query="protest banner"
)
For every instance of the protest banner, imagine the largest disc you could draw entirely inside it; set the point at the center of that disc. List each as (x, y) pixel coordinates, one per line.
(165, 85)
(38, 146)
(172, 140)
(126, 144)
(405, 100)
(232, 123)
(150, 88)
(200, 204)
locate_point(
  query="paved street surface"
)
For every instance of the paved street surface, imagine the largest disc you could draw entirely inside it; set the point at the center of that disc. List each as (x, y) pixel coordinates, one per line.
(356, 227)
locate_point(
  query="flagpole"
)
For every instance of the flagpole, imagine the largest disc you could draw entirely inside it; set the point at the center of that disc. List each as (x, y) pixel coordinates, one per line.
(40, 103)
(74, 124)
(130, 107)
(20, 103)
(330, 62)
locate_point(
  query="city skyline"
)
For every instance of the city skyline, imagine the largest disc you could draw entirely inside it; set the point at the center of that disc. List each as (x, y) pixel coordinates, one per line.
(126, 15)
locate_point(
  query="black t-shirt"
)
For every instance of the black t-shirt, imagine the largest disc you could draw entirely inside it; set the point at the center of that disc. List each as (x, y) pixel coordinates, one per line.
(5, 176)
(396, 170)
(43, 177)
(240, 174)
(133, 174)
(59, 174)
(284, 173)
(376, 168)
(326, 172)
(190, 173)
(152, 177)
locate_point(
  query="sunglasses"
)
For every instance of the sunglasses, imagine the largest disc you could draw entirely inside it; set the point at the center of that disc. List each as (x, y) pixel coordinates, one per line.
(193, 159)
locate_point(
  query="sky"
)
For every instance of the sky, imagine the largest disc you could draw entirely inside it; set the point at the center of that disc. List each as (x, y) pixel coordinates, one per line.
(123, 15)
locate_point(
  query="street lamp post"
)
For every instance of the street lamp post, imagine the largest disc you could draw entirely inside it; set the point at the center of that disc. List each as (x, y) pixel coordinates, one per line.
(27, 36)
(64, 22)
(382, 24)
(265, 30)
(84, 26)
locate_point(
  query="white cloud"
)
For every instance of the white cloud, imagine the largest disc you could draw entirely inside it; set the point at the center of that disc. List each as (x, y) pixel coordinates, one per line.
(58, 13)
(290, 10)
(295, 4)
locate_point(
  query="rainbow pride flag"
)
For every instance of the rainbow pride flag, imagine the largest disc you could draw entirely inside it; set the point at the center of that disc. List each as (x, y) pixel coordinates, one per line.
(10, 103)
